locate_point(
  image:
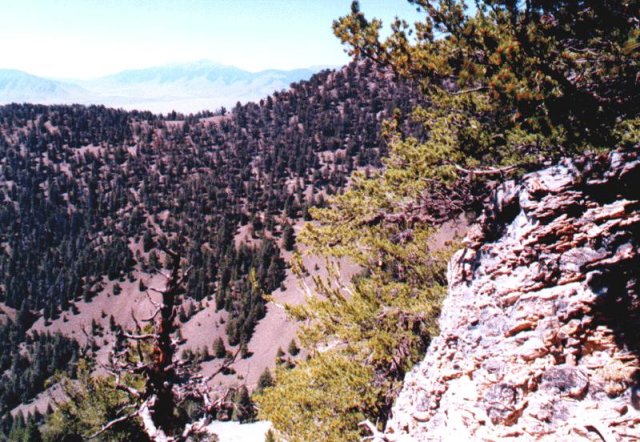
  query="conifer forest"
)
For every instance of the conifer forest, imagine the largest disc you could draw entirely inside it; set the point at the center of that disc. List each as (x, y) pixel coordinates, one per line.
(388, 166)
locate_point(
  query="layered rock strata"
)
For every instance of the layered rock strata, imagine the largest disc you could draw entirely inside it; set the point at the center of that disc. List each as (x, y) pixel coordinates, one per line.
(540, 332)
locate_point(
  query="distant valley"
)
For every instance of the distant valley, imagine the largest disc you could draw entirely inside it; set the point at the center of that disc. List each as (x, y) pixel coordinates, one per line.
(186, 87)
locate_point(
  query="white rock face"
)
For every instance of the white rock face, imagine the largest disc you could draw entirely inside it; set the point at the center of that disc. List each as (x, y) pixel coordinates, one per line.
(540, 332)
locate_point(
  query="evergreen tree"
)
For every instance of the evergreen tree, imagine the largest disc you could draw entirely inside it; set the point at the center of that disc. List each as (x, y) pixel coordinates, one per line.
(219, 350)
(544, 73)
(154, 261)
(32, 432)
(293, 348)
(147, 242)
(265, 380)
(141, 402)
(243, 408)
(288, 237)
(93, 401)
(18, 428)
(340, 396)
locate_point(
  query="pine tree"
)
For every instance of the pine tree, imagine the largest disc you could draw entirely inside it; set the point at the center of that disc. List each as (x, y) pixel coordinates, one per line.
(545, 73)
(280, 356)
(32, 432)
(243, 408)
(147, 241)
(328, 389)
(269, 437)
(113, 326)
(219, 350)
(154, 261)
(93, 401)
(244, 350)
(293, 348)
(141, 402)
(288, 237)
(265, 380)
(18, 428)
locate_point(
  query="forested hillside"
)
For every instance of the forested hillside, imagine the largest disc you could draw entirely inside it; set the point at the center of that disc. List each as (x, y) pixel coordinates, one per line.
(88, 194)
(388, 156)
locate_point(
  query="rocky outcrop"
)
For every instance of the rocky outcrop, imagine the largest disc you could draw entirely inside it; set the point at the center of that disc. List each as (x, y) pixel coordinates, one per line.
(540, 332)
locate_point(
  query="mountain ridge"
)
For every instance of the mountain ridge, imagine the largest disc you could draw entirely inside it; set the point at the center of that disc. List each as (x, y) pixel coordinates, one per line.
(182, 87)
(17, 83)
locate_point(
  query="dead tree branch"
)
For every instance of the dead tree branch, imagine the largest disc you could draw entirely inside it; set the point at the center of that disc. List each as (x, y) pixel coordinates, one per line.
(112, 423)
(168, 382)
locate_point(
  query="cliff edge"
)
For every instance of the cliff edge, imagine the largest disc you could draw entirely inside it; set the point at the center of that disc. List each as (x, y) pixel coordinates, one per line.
(540, 330)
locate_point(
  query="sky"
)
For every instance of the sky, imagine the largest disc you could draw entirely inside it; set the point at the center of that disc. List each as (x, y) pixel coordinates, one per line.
(83, 39)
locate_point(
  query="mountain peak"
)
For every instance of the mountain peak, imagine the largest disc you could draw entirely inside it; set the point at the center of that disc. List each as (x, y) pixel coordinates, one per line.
(184, 87)
(16, 85)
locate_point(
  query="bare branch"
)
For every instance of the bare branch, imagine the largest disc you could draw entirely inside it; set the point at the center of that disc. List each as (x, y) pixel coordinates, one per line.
(195, 428)
(184, 276)
(376, 435)
(87, 346)
(155, 304)
(130, 390)
(126, 407)
(488, 171)
(227, 362)
(135, 321)
(140, 368)
(139, 351)
(154, 433)
(469, 91)
(139, 337)
(152, 317)
(110, 424)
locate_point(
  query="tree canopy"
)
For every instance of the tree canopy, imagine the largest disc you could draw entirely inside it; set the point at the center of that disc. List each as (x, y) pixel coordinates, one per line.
(565, 73)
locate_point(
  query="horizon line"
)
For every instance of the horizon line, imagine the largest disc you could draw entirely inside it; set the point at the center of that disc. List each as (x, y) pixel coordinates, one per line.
(172, 64)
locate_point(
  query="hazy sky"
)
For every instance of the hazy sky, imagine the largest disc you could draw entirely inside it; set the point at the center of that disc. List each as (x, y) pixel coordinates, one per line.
(90, 38)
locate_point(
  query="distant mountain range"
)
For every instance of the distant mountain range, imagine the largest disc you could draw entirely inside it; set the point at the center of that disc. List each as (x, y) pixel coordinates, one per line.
(186, 87)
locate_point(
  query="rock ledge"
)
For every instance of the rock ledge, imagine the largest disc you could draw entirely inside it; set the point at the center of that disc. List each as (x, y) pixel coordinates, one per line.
(540, 332)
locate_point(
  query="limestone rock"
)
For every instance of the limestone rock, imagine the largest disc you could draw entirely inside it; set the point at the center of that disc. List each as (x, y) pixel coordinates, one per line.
(540, 332)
